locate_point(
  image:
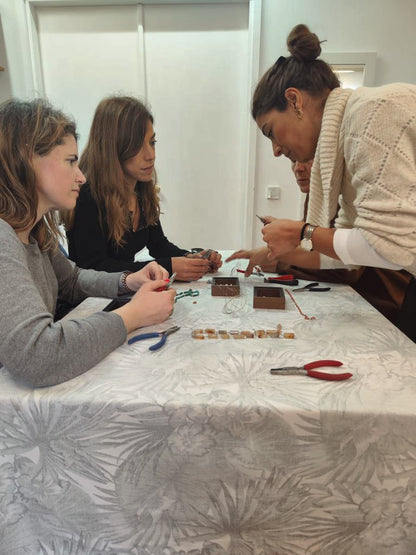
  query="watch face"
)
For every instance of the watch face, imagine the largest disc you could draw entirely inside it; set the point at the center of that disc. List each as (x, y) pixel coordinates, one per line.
(306, 244)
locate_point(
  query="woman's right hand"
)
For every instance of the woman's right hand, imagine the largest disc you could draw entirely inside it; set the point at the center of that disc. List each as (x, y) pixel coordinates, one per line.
(188, 268)
(148, 306)
(256, 257)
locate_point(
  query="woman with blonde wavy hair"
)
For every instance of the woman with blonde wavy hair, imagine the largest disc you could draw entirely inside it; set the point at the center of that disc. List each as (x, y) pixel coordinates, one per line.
(117, 213)
(39, 175)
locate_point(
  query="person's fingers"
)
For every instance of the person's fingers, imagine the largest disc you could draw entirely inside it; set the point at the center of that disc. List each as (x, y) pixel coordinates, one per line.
(270, 254)
(249, 269)
(238, 254)
(154, 285)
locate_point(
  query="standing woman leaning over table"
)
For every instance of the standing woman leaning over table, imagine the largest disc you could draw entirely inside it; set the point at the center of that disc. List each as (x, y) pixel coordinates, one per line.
(39, 175)
(117, 213)
(364, 147)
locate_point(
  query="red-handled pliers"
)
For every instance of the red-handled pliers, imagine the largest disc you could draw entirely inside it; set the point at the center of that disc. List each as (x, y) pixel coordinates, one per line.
(307, 370)
(256, 271)
(288, 279)
(168, 283)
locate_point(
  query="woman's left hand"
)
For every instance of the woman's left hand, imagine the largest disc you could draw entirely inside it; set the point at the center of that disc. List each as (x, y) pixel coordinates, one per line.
(215, 261)
(281, 236)
(150, 272)
(214, 258)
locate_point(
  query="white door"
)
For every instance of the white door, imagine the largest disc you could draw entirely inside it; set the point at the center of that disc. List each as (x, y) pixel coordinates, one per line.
(191, 62)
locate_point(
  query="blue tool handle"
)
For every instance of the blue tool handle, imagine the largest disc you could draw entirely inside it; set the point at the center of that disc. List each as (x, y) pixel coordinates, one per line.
(142, 336)
(159, 343)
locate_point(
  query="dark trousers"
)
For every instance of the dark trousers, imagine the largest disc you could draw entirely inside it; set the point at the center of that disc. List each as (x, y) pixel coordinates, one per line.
(407, 315)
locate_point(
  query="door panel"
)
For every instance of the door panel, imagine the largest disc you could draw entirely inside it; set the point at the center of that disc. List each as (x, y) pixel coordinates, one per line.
(88, 53)
(197, 64)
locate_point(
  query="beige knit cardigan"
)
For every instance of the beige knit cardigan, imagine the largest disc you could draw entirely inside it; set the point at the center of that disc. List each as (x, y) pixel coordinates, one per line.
(365, 161)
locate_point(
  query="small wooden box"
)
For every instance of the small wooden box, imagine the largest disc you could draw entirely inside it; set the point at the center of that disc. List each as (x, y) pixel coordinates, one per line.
(268, 297)
(225, 287)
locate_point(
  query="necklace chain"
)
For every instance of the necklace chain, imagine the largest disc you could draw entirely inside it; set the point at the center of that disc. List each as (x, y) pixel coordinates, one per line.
(133, 215)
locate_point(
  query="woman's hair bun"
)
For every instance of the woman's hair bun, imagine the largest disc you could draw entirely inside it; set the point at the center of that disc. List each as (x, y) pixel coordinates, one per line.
(303, 45)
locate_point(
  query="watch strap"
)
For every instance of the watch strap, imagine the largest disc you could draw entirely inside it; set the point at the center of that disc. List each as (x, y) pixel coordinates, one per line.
(302, 231)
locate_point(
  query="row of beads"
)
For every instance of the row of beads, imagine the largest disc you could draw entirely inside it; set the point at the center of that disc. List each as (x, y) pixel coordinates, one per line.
(212, 333)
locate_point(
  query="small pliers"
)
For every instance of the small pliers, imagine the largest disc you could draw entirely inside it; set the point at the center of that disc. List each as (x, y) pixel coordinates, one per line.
(162, 334)
(307, 370)
(256, 271)
(312, 287)
(288, 279)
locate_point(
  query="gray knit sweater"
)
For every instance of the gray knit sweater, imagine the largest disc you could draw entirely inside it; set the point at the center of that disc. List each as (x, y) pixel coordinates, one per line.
(366, 162)
(32, 346)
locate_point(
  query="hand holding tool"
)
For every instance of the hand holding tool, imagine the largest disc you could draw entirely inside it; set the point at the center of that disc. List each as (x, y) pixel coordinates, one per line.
(313, 287)
(168, 283)
(307, 370)
(162, 334)
(263, 220)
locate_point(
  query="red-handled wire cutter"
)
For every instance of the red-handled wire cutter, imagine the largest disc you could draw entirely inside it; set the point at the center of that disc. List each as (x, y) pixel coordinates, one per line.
(307, 370)
(288, 279)
(168, 283)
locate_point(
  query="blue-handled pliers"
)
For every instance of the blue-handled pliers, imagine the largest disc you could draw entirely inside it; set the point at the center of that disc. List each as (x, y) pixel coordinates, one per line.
(162, 334)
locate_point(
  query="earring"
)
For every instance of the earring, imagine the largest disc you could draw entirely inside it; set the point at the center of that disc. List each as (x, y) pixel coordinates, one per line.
(299, 113)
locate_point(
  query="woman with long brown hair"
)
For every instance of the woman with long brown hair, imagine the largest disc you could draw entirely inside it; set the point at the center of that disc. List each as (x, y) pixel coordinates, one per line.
(117, 213)
(39, 175)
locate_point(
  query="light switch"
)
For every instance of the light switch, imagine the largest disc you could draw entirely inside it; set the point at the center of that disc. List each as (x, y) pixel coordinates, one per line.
(273, 192)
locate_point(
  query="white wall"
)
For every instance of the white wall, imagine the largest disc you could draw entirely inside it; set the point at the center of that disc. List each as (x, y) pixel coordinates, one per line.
(5, 84)
(196, 64)
(384, 26)
(87, 53)
(19, 68)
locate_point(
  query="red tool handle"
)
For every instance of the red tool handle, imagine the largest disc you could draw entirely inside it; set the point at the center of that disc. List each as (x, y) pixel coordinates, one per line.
(164, 287)
(288, 277)
(320, 363)
(330, 377)
(285, 277)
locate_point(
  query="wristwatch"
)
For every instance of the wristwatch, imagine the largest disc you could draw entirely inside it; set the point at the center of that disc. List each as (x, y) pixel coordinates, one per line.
(306, 237)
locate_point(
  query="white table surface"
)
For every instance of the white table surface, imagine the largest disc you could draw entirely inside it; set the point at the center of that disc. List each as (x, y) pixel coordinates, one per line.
(197, 449)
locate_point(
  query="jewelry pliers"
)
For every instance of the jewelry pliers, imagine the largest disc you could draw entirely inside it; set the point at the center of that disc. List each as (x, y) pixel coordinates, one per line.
(256, 271)
(313, 287)
(288, 279)
(162, 334)
(307, 370)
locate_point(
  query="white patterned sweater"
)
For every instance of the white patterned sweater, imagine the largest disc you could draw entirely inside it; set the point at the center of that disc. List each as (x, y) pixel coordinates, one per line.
(366, 161)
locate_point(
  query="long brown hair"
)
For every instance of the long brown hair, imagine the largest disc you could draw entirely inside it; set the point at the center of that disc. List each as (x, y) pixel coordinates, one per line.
(117, 134)
(300, 70)
(28, 128)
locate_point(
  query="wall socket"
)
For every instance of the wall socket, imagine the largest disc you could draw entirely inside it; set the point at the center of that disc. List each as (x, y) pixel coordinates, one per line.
(273, 192)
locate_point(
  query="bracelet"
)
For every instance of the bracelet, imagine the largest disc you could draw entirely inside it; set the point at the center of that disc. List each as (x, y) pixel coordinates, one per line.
(302, 231)
(122, 284)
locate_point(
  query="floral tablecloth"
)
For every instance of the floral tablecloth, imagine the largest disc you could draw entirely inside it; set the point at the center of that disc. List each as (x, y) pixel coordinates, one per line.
(197, 449)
